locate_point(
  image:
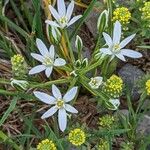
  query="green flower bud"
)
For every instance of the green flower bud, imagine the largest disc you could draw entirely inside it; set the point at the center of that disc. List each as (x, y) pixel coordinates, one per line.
(103, 145)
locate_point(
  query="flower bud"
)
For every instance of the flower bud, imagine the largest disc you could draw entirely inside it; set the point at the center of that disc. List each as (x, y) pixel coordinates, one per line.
(103, 21)
(78, 43)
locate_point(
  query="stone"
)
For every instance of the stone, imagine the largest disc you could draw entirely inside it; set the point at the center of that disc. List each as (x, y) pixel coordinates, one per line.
(130, 75)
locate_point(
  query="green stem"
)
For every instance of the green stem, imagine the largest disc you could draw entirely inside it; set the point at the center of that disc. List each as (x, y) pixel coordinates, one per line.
(69, 46)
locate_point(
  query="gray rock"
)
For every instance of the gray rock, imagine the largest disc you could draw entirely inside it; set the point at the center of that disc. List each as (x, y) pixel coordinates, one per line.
(91, 23)
(130, 75)
(143, 127)
(124, 112)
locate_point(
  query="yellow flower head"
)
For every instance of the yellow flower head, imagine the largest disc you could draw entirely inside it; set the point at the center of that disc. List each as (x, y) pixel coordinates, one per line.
(113, 86)
(46, 145)
(19, 67)
(104, 145)
(77, 137)
(146, 11)
(122, 14)
(148, 87)
(106, 121)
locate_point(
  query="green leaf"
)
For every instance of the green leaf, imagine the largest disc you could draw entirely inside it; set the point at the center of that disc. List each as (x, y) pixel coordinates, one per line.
(9, 110)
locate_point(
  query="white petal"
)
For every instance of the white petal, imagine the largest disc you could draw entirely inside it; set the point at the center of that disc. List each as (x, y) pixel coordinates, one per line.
(117, 33)
(52, 23)
(131, 53)
(70, 94)
(37, 57)
(41, 46)
(61, 7)
(120, 56)
(45, 97)
(107, 39)
(56, 92)
(50, 112)
(48, 71)
(106, 51)
(62, 119)
(115, 103)
(54, 13)
(37, 69)
(52, 52)
(70, 10)
(59, 62)
(73, 20)
(70, 108)
(126, 40)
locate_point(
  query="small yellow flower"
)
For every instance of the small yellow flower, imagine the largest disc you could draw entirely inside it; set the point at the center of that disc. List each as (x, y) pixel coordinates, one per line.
(148, 87)
(122, 14)
(104, 145)
(46, 145)
(113, 86)
(19, 67)
(77, 137)
(146, 11)
(106, 121)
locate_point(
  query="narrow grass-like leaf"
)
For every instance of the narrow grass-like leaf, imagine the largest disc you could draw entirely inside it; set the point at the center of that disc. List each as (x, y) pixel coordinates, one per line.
(9, 110)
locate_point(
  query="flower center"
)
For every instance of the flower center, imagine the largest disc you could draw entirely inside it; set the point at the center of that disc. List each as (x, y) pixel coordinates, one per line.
(60, 103)
(116, 48)
(47, 61)
(63, 20)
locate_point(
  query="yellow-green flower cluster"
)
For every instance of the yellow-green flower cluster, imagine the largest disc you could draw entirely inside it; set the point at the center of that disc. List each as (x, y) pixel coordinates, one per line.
(113, 86)
(77, 137)
(19, 67)
(122, 14)
(46, 145)
(148, 87)
(106, 121)
(146, 11)
(104, 145)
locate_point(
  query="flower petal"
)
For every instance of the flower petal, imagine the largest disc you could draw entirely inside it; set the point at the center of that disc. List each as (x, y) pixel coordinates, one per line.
(41, 46)
(56, 92)
(44, 97)
(70, 108)
(131, 53)
(48, 71)
(52, 23)
(120, 56)
(50, 112)
(62, 119)
(54, 13)
(52, 52)
(37, 57)
(117, 33)
(107, 39)
(73, 20)
(59, 62)
(37, 69)
(70, 94)
(106, 51)
(70, 10)
(127, 40)
(61, 7)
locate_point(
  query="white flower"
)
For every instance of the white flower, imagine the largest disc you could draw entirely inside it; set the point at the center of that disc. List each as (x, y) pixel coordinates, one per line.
(60, 104)
(96, 82)
(116, 46)
(21, 83)
(47, 58)
(115, 104)
(63, 16)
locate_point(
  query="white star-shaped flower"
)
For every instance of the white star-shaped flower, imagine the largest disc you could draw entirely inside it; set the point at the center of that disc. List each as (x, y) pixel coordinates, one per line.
(63, 16)
(116, 47)
(96, 82)
(47, 58)
(60, 104)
